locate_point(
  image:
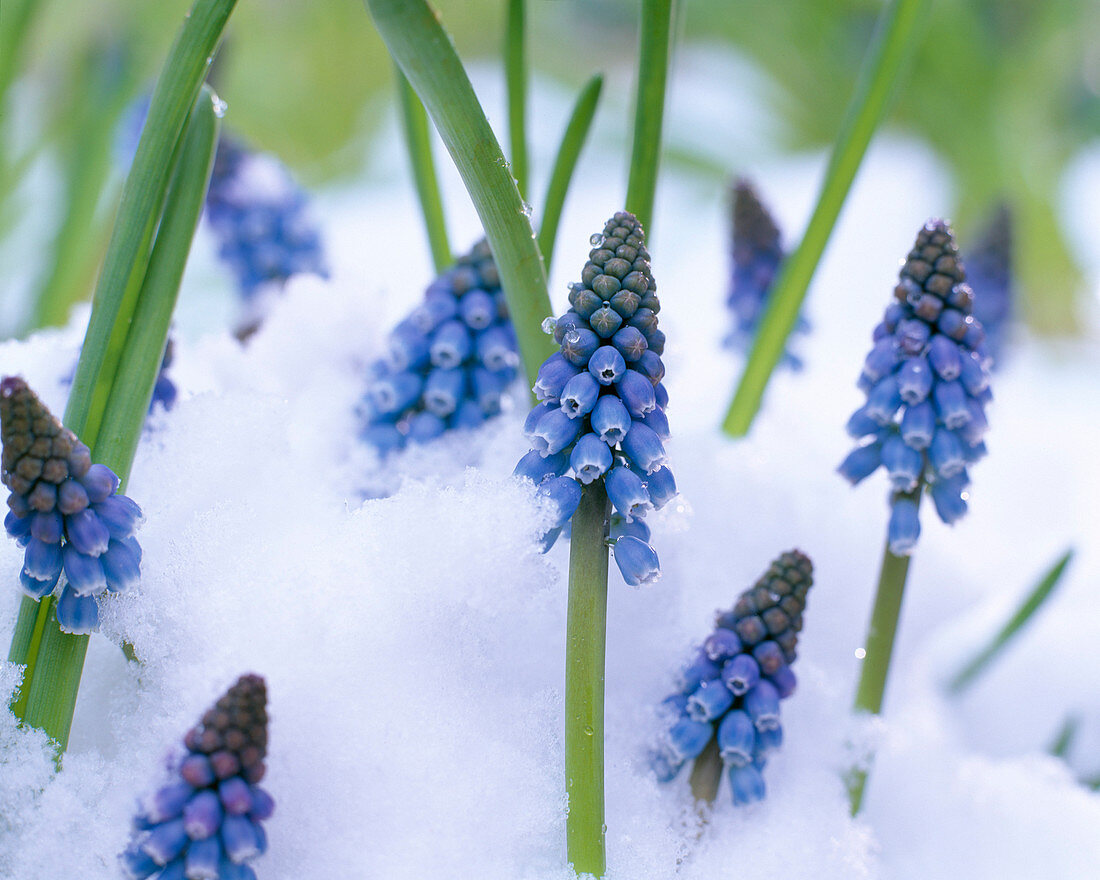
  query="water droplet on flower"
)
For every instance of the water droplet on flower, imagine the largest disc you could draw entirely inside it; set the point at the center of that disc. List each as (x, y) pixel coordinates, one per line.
(219, 107)
(572, 337)
(596, 240)
(549, 325)
(588, 731)
(527, 210)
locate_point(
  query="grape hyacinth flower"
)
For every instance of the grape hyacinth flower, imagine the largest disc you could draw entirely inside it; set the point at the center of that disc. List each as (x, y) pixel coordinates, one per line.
(989, 270)
(65, 511)
(729, 692)
(601, 414)
(927, 384)
(260, 218)
(450, 362)
(757, 255)
(204, 824)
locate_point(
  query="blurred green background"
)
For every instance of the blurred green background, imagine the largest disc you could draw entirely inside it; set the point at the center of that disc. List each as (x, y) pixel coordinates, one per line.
(1005, 91)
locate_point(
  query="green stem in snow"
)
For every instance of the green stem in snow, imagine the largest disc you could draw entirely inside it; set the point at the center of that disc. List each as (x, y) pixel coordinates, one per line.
(584, 682)
(894, 43)
(655, 35)
(419, 143)
(576, 132)
(424, 51)
(879, 647)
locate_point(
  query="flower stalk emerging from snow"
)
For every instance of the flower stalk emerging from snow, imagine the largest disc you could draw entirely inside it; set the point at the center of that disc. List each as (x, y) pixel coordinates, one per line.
(729, 693)
(204, 824)
(927, 383)
(597, 438)
(65, 512)
(757, 255)
(450, 362)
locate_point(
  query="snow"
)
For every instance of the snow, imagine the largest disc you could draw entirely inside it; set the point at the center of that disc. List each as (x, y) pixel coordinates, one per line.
(414, 645)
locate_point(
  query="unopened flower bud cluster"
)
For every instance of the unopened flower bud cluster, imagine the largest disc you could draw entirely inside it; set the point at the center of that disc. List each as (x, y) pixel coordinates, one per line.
(65, 512)
(730, 691)
(927, 384)
(602, 409)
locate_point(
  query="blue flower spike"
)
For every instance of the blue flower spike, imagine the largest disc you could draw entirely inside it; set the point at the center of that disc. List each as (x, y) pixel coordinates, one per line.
(454, 358)
(757, 256)
(205, 822)
(260, 218)
(927, 384)
(65, 511)
(602, 401)
(731, 690)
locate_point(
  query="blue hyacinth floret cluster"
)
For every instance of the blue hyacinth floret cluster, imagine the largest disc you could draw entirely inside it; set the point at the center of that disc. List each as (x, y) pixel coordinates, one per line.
(989, 272)
(450, 362)
(65, 511)
(205, 823)
(260, 218)
(927, 384)
(729, 692)
(757, 255)
(602, 410)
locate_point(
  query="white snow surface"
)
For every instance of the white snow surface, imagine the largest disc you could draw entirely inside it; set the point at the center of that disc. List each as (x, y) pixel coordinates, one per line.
(413, 646)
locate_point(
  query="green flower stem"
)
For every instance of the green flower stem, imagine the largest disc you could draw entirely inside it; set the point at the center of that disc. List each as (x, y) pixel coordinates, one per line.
(57, 667)
(24, 646)
(419, 144)
(584, 682)
(418, 43)
(515, 75)
(142, 203)
(893, 45)
(879, 648)
(655, 33)
(706, 773)
(572, 142)
(1032, 603)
